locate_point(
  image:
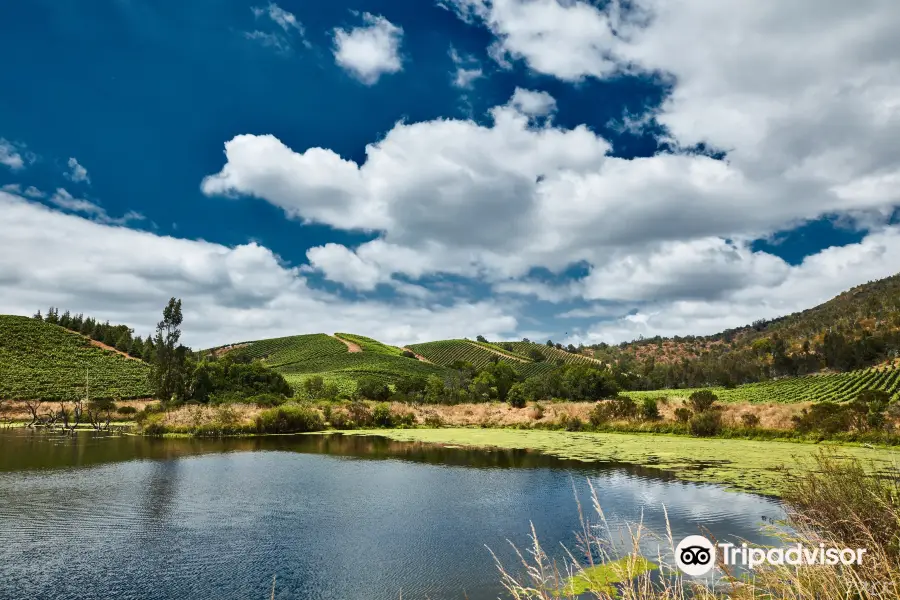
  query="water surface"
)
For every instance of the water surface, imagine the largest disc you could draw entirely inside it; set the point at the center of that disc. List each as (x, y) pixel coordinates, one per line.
(331, 516)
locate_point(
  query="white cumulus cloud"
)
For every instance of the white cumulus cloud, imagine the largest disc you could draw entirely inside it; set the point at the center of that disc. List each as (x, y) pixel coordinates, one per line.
(369, 51)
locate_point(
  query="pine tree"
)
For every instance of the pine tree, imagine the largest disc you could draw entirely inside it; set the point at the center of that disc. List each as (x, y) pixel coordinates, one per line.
(38, 316)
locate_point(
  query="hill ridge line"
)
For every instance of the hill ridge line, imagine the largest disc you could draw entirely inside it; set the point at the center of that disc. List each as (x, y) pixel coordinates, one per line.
(352, 347)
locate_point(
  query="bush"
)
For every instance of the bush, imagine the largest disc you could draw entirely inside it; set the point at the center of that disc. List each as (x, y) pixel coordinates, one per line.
(702, 400)
(373, 388)
(410, 354)
(537, 412)
(516, 396)
(289, 418)
(404, 419)
(749, 420)
(649, 410)
(360, 414)
(705, 424)
(622, 408)
(267, 400)
(126, 411)
(381, 415)
(574, 424)
(340, 419)
(433, 420)
(824, 417)
(536, 355)
(599, 414)
(683, 415)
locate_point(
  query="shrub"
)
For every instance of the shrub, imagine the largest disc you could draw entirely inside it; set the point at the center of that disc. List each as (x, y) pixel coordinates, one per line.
(340, 419)
(622, 408)
(267, 400)
(573, 423)
(404, 419)
(537, 412)
(381, 415)
(682, 414)
(360, 414)
(599, 414)
(749, 420)
(289, 418)
(649, 410)
(824, 417)
(126, 411)
(410, 354)
(373, 389)
(702, 400)
(516, 396)
(536, 355)
(433, 420)
(314, 387)
(705, 424)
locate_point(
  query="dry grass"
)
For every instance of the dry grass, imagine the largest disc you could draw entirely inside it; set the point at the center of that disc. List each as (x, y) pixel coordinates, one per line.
(821, 508)
(17, 411)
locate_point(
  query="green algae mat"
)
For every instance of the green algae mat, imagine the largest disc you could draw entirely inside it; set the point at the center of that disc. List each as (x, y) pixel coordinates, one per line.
(746, 465)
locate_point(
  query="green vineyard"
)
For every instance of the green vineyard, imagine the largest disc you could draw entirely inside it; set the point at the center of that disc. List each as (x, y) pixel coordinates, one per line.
(446, 352)
(370, 345)
(551, 354)
(43, 361)
(836, 387)
(277, 352)
(300, 357)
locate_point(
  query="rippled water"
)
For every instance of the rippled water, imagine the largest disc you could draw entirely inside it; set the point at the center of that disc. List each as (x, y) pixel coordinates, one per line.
(331, 517)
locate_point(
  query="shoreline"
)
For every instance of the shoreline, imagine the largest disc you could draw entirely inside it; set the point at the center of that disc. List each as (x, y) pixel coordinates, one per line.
(738, 464)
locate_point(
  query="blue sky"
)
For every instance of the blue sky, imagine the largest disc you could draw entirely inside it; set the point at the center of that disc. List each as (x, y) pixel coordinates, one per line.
(412, 171)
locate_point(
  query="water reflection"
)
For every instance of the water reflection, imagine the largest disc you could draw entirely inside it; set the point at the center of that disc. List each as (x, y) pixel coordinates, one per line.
(332, 516)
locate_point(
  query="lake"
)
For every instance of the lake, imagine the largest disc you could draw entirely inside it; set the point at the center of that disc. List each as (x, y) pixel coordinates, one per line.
(332, 517)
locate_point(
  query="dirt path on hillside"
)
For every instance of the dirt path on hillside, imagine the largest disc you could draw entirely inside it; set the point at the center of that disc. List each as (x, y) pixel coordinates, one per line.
(226, 349)
(351, 347)
(418, 356)
(497, 352)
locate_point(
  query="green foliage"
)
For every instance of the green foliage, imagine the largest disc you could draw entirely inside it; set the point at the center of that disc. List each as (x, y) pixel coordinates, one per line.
(372, 388)
(517, 397)
(824, 417)
(682, 414)
(649, 410)
(235, 380)
(575, 382)
(479, 354)
(381, 415)
(702, 400)
(370, 345)
(289, 418)
(836, 387)
(44, 361)
(705, 424)
(126, 411)
(168, 374)
(600, 414)
(622, 408)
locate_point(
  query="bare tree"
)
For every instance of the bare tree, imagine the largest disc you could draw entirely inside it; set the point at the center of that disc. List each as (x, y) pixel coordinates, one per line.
(34, 405)
(100, 412)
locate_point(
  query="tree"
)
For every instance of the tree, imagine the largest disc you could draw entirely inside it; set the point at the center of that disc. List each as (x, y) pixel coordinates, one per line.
(170, 364)
(702, 400)
(38, 316)
(480, 338)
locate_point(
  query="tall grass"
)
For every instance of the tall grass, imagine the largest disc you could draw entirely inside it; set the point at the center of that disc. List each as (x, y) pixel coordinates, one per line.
(835, 504)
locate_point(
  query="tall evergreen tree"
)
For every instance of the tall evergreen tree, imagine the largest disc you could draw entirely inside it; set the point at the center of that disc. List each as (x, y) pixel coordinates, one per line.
(169, 368)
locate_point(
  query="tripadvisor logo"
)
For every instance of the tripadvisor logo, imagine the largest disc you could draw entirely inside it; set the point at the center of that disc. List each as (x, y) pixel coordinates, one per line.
(695, 555)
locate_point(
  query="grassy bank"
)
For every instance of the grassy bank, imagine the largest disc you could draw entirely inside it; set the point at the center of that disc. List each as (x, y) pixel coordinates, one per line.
(748, 465)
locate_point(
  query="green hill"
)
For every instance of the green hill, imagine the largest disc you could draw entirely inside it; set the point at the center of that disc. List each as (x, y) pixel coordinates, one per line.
(40, 360)
(836, 387)
(446, 352)
(300, 357)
